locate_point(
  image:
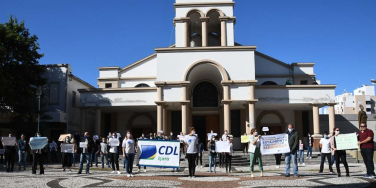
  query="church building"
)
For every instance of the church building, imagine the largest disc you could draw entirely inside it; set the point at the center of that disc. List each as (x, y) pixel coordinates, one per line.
(208, 81)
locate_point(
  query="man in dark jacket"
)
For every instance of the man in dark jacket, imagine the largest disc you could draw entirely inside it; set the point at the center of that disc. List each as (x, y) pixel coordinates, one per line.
(294, 145)
(22, 152)
(86, 153)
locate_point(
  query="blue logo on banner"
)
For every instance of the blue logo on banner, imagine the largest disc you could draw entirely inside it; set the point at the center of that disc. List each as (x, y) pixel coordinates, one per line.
(148, 152)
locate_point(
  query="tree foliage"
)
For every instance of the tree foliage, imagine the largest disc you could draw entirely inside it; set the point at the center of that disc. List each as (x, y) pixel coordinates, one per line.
(19, 68)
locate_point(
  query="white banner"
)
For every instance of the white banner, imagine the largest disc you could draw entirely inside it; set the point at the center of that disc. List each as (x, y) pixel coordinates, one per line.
(67, 148)
(38, 142)
(347, 141)
(114, 142)
(211, 134)
(9, 141)
(83, 145)
(274, 144)
(222, 146)
(159, 153)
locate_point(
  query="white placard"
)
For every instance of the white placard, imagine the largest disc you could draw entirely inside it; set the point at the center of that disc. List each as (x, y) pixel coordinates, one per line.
(274, 144)
(222, 146)
(67, 148)
(9, 141)
(159, 153)
(114, 142)
(83, 145)
(211, 134)
(38, 142)
(346, 141)
(265, 129)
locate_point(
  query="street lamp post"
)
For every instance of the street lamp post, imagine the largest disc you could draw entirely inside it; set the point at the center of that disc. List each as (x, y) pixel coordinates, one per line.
(39, 93)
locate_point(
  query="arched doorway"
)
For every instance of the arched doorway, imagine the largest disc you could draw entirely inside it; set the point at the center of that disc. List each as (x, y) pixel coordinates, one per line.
(141, 123)
(271, 119)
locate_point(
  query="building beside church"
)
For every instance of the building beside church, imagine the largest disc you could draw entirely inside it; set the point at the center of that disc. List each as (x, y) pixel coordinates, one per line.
(208, 81)
(348, 103)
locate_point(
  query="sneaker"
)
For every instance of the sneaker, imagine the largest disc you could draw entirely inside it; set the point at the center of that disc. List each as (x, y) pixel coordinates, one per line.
(252, 176)
(332, 172)
(287, 175)
(70, 170)
(78, 172)
(201, 166)
(347, 175)
(128, 175)
(277, 166)
(132, 175)
(296, 175)
(371, 177)
(145, 170)
(306, 157)
(303, 164)
(310, 157)
(138, 170)
(261, 175)
(193, 176)
(113, 172)
(118, 172)
(339, 175)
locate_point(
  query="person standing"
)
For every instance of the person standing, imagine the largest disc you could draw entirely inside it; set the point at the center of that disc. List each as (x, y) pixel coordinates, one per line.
(212, 154)
(309, 146)
(96, 150)
(22, 152)
(77, 139)
(10, 151)
(301, 152)
(114, 157)
(191, 143)
(104, 153)
(254, 151)
(181, 138)
(2, 155)
(338, 154)
(365, 137)
(66, 157)
(53, 150)
(325, 152)
(129, 148)
(86, 153)
(245, 146)
(228, 156)
(37, 156)
(73, 141)
(172, 137)
(293, 139)
(201, 149)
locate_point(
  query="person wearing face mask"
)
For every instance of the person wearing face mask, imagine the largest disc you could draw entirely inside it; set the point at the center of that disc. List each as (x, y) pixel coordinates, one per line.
(73, 141)
(66, 157)
(338, 154)
(254, 151)
(114, 157)
(228, 156)
(10, 152)
(200, 153)
(301, 152)
(160, 135)
(191, 144)
(22, 152)
(129, 147)
(104, 152)
(37, 156)
(212, 154)
(53, 149)
(172, 137)
(325, 152)
(293, 139)
(86, 153)
(224, 136)
(181, 138)
(309, 146)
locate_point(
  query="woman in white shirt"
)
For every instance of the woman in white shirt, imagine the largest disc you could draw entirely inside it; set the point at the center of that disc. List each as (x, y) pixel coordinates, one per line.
(114, 157)
(325, 152)
(228, 156)
(191, 143)
(129, 148)
(254, 151)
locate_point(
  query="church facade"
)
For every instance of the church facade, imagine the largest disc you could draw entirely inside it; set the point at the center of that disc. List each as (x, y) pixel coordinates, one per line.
(210, 82)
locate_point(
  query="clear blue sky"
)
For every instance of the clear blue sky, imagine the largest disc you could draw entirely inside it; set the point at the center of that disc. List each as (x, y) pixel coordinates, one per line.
(338, 35)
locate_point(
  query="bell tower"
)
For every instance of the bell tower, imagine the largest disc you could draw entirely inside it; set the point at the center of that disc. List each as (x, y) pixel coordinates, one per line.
(201, 23)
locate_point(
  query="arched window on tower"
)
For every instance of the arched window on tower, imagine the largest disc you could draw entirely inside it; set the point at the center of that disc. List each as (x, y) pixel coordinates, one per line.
(142, 85)
(269, 83)
(195, 29)
(214, 28)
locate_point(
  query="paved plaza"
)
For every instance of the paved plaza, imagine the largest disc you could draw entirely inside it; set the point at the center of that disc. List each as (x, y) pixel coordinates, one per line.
(155, 177)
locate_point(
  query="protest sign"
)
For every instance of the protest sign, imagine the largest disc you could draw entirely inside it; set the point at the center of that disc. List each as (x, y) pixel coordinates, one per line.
(114, 142)
(83, 145)
(222, 146)
(211, 134)
(244, 139)
(67, 148)
(63, 136)
(38, 142)
(159, 153)
(347, 141)
(9, 141)
(274, 144)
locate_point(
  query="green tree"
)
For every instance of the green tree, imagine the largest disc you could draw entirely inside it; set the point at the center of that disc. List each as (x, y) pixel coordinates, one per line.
(19, 68)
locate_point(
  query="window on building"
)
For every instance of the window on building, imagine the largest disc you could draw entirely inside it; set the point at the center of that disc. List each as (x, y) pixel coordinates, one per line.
(73, 99)
(108, 85)
(142, 85)
(54, 93)
(342, 110)
(303, 82)
(368, 102)
(353, 101)
(368, 109)
(269, 83)
(353, 108)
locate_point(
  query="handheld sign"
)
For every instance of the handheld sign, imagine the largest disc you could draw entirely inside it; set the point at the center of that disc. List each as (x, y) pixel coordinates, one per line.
(244, 139)
(211, 134)
(274, 144)
(346, 141)
(222, 146)
(38, 142)
(83, 145)
(67, 148)
(9, 141)
(265, 129)
(114, 142)
(63, 136)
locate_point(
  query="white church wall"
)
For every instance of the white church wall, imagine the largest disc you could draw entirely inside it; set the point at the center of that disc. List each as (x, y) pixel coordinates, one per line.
(239, 92)
(172, 93)
(230, 33)
(238, 64)
(179, 30)
(133, 83)
(303, 70)
(268, 67)
(145, 69)
(119, 98)
(108, 73)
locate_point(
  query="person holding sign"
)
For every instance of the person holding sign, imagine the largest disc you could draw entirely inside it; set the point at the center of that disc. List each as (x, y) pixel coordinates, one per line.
(365, 137)
(114, 157)
(325, 152)
(293, 144)
(191, 143)
(66, 156)
(86, 153)
(212, 154)
(37, 156)
(338, 154)
(254, 151)
(10, 151)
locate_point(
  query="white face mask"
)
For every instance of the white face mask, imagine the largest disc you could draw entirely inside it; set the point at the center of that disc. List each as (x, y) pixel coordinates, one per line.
(128, 135)
(337, 132)
(256, 133)
(193, 132)
(290, 130)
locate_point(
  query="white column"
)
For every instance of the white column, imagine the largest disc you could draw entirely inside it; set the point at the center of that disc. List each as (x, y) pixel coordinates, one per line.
(184, 108)
(186, 32)
(223, 32)
(316, 119)
(251, 115)
(159, 103)
(165, 119)
(204, 31)
(226, 107)
(332, 120)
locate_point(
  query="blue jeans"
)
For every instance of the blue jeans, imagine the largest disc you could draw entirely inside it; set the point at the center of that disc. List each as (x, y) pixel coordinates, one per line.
(82, 158)
(22, 158)
(104, 156)
(309, 151)
(301, 155)
(73, 159)
(212, 160)
(129, 157)
(288, 157)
